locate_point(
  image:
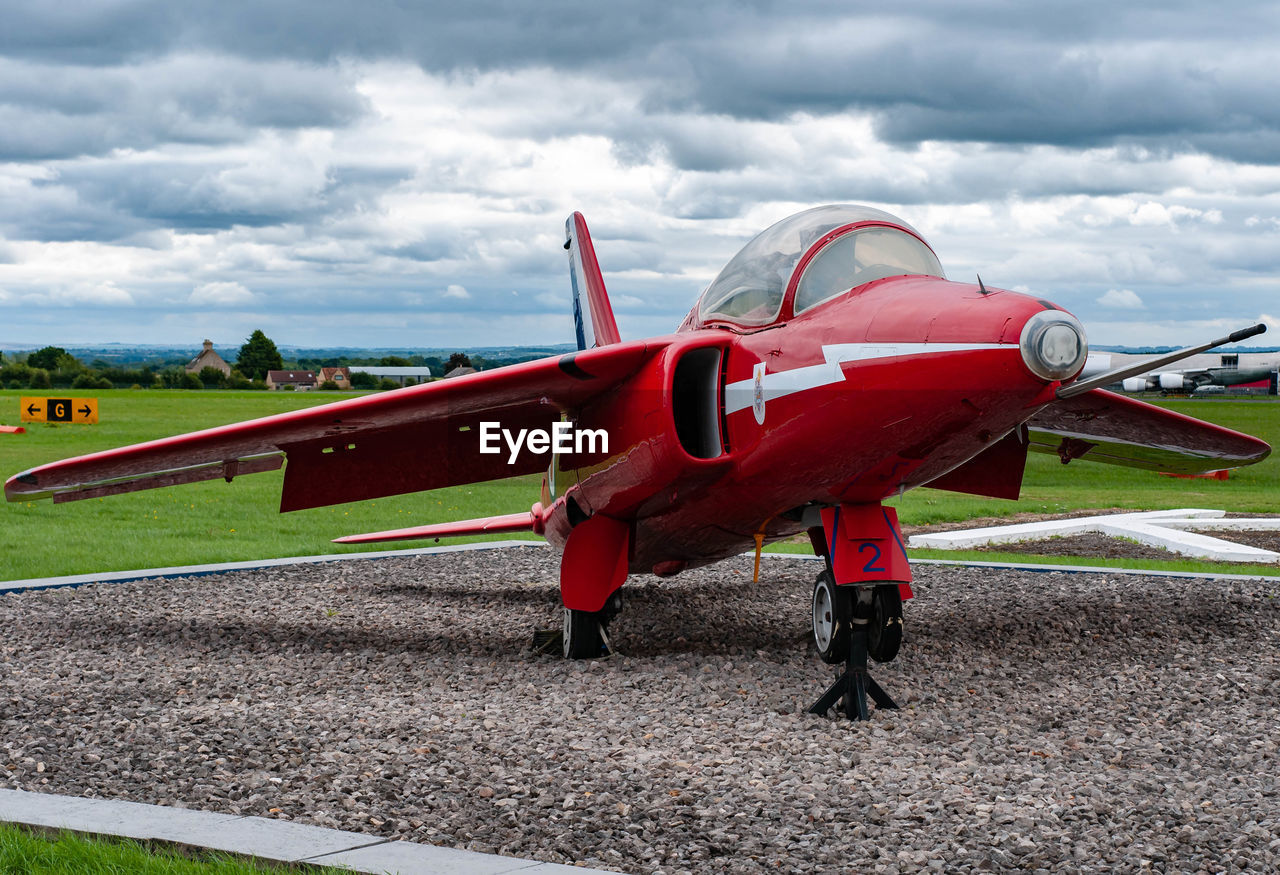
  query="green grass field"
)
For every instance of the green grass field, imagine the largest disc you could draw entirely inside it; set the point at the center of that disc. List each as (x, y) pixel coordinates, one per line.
(22, 851)
(220, 522)
(198, 523)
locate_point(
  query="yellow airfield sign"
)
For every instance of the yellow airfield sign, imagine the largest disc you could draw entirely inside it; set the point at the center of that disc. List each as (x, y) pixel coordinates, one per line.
(78, 410)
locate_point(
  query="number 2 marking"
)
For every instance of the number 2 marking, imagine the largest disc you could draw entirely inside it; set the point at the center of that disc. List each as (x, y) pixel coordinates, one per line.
(871, 566)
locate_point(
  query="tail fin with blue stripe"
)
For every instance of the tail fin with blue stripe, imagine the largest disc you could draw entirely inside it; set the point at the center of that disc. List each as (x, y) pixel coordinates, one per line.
(593, 320)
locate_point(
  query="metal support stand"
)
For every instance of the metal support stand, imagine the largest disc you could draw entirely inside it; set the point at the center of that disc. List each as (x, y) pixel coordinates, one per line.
(855, 684)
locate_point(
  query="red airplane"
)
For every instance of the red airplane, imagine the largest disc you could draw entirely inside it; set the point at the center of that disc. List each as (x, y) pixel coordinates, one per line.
(829, 366)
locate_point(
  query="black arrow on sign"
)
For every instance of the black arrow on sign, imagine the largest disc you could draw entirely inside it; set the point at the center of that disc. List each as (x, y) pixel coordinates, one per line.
(31, 408)
(86, 410)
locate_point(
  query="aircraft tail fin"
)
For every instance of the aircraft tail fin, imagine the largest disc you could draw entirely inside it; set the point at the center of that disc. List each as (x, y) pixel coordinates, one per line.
(593, 321)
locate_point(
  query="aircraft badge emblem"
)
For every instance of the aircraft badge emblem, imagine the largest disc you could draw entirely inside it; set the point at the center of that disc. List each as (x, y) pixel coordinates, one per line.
(757, 399)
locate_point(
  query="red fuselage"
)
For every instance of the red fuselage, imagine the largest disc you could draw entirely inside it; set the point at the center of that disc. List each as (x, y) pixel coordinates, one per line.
(728, 432)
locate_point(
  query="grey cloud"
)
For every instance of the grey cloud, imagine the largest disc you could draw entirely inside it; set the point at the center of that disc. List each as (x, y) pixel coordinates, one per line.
(53, 112)
(1160, 74)
(115, 201)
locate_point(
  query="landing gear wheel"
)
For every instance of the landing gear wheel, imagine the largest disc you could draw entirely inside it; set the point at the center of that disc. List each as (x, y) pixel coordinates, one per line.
(884, 631)
(832, 613)
(582, 634)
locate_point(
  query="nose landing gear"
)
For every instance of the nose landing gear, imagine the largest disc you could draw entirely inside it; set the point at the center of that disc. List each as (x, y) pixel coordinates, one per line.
(850, 624)
(586, 633)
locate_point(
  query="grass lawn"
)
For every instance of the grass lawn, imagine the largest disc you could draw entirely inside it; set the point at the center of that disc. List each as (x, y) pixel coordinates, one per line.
(24, 851)
(197, 523)
(220, 522)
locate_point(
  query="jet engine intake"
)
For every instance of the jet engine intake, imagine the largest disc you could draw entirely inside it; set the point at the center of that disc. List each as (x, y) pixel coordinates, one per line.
(695, 393)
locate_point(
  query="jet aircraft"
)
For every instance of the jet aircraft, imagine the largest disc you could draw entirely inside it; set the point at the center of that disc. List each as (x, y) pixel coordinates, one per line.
(829, 366)
(1192, 379)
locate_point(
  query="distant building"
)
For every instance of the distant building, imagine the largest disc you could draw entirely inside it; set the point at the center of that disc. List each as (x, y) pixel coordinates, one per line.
(400, 375)
(208, 359)
(460, 371)
(340, 376)
(301, 381)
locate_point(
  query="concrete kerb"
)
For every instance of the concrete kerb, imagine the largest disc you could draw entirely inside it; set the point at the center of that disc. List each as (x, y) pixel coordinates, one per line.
(202, 570)
(1047, 568)
(280, 841)
(35, 583)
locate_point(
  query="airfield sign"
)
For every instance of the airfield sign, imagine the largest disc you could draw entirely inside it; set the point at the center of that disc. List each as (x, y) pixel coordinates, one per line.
(76, 410)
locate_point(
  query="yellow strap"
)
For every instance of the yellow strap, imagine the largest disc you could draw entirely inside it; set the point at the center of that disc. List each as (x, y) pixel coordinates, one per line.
(759, 547)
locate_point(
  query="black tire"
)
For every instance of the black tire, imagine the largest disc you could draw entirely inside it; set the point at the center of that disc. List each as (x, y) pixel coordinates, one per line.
(832, 613)
(884, 631)
(582, 634)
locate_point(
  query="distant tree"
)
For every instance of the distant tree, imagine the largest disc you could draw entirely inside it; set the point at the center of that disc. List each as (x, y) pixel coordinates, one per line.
(257, 356)
(69, 364)
(46, 358)
(363, 380)
(388, 383)
(212, 377)
(393, 361)
(19, 372)
(189, 380)
(85, 381)
(457, 360)
(40, 379)
(329, 386)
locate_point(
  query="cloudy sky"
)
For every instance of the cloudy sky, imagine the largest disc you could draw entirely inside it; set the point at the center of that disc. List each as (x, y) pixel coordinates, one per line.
(398, 174)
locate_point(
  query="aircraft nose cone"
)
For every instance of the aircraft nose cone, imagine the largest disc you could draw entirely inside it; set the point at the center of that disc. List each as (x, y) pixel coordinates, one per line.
(1053, 345)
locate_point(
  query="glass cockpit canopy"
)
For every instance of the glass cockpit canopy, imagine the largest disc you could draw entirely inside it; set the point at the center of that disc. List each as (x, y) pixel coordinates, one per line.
(750, 289)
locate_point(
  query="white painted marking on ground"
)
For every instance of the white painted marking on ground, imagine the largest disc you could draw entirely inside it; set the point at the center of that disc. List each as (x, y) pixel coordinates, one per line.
(1161, 528)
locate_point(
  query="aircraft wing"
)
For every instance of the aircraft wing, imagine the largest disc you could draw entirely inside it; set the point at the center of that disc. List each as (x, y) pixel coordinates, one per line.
(404, 440)
(1100, 426)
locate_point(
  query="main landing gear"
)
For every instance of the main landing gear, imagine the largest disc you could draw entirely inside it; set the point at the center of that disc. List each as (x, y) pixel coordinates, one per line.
(851, 623)
(586, 633)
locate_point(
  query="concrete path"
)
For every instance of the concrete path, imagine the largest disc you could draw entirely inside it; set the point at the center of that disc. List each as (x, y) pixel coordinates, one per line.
(276, 840)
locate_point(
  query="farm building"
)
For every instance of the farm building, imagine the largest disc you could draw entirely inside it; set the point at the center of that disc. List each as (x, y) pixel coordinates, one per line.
(301, 381)
(208, 359)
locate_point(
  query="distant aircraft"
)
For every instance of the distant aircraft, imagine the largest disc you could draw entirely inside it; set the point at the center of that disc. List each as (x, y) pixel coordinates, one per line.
(829, 366)
(1193, 379)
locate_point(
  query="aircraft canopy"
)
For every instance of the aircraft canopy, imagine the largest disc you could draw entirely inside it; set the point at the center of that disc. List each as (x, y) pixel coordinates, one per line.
(751, 288)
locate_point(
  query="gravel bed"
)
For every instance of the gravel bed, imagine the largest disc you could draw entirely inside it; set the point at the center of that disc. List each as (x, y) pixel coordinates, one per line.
(1109, 547)
(1051, 722)
(1262, 539)
(1090, 545)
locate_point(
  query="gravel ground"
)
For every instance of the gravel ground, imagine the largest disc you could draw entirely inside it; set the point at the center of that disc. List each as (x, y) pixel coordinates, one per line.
(1050, 721)
(1093, 545)
(1101, 546)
